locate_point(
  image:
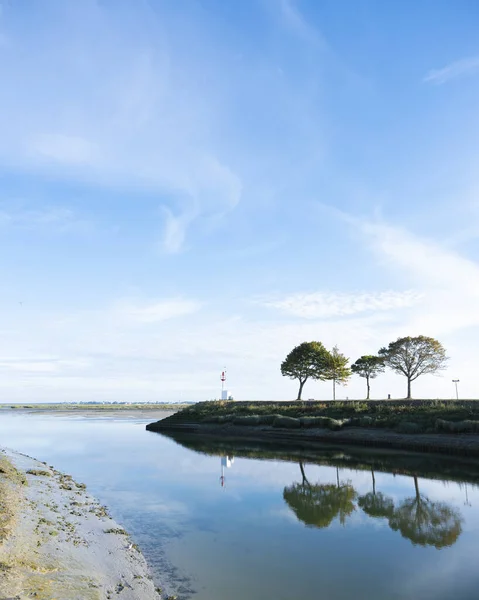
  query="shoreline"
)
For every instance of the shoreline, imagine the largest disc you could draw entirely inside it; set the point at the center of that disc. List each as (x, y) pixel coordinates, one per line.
(451, 444)
(57, 541)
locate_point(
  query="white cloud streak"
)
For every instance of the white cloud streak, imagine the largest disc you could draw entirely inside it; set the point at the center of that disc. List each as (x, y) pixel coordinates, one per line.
(117, 109)
(154, 312)
(296, 22)
(321, 305)
(460, 68)
(58, 219)
(450, 281)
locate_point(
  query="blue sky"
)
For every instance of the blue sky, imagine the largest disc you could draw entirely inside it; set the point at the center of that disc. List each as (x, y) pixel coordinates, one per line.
(191, 184)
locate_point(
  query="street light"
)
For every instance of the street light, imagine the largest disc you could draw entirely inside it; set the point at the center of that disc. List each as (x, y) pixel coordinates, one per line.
(455, 382)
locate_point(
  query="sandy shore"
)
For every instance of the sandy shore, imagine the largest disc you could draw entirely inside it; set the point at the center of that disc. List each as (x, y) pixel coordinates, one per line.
(58, 542)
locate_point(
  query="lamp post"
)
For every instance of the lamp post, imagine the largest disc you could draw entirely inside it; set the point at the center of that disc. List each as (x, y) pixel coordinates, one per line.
(455, 382)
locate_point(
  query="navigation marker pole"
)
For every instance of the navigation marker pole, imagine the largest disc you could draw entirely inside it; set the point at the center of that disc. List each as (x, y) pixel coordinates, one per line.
(224, 393)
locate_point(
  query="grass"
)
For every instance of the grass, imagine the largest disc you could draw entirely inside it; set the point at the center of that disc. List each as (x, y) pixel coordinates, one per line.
(39, 473)
(10, 477)
(116, 530)
(403, 416)
(10, 473)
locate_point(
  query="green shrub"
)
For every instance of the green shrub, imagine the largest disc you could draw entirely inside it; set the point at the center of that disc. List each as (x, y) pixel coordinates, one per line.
(408, 427)
(324, 422)
(218, 419)
(250, 420)
(287, 422)
(466, 426)
(315, 421)
(267, 419)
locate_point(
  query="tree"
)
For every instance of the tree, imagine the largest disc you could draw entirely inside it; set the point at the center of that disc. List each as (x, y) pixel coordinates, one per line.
(376, 504)
(369, 367)
(308, 360)
(316, 505)
(426, 523)
(337, 369)
(414, 356)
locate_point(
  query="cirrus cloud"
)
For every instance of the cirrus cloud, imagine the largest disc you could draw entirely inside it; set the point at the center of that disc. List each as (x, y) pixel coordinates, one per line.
(322, 305)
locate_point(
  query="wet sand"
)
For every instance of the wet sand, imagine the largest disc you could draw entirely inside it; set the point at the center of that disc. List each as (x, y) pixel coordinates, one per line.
(58, 542)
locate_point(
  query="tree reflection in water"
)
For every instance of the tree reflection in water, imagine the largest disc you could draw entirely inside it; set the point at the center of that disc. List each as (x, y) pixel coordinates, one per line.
(316, 505)
(418, 519)
(426, 523)
(376, 505)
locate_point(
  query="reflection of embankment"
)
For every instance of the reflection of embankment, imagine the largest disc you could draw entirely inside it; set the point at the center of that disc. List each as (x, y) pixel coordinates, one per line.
(422, 521)
(459, 469)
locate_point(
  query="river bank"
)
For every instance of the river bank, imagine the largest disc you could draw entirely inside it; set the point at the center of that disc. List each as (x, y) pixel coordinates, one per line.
(422, 426)
(57, 541)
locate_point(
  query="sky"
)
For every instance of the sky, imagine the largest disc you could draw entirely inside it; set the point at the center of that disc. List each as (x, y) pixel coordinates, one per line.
(188, 185)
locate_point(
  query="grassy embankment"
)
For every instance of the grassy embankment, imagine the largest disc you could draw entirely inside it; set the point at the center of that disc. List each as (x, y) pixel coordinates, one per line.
(402, 416)
(107, 406)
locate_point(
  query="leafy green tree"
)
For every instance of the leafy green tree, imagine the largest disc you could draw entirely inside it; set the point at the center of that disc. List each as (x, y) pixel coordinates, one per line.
(308, 360)
(316, 505)
(346, 495)
(369, 367)
(414, 356)
(426, 523)
(337, 369)
(376, 504)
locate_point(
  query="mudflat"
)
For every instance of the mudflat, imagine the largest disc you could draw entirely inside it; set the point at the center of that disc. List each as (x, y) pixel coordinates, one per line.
(57, 541)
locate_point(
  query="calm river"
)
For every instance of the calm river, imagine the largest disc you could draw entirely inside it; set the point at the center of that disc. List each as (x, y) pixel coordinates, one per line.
(234, 523)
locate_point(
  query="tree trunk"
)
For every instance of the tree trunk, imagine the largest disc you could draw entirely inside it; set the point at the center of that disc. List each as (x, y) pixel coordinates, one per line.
(367, 383)
(337, 475)
(334, 389)
(302, 472)
(374, 483)
(416, 485)
(408, 397)
(301, 384)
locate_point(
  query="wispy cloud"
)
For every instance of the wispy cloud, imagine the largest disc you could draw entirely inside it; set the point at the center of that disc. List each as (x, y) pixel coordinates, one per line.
(154, 312)
(39, 365)
(63, 148)
(119, 110)
(449, 280)
(321, 305)
(459, 68)
(58, 219)
(296, 22)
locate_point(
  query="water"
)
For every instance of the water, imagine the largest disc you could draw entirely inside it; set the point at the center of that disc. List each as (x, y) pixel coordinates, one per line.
(285, 526)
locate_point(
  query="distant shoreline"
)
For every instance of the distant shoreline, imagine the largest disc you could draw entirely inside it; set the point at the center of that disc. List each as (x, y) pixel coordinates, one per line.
(65, 406)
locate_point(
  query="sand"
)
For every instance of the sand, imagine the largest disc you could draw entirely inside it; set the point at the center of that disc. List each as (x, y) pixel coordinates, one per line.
(58, 542)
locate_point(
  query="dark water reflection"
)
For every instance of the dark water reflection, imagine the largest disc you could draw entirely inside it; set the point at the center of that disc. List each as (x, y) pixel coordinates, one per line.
(417, 518)
(221, 521)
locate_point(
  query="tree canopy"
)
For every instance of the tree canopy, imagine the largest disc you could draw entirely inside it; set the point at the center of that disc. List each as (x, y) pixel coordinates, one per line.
(414, 356)
(376, 505)
(316, 505)
(369, 367)
(426, 523)
(337, 369)
(308, 360)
